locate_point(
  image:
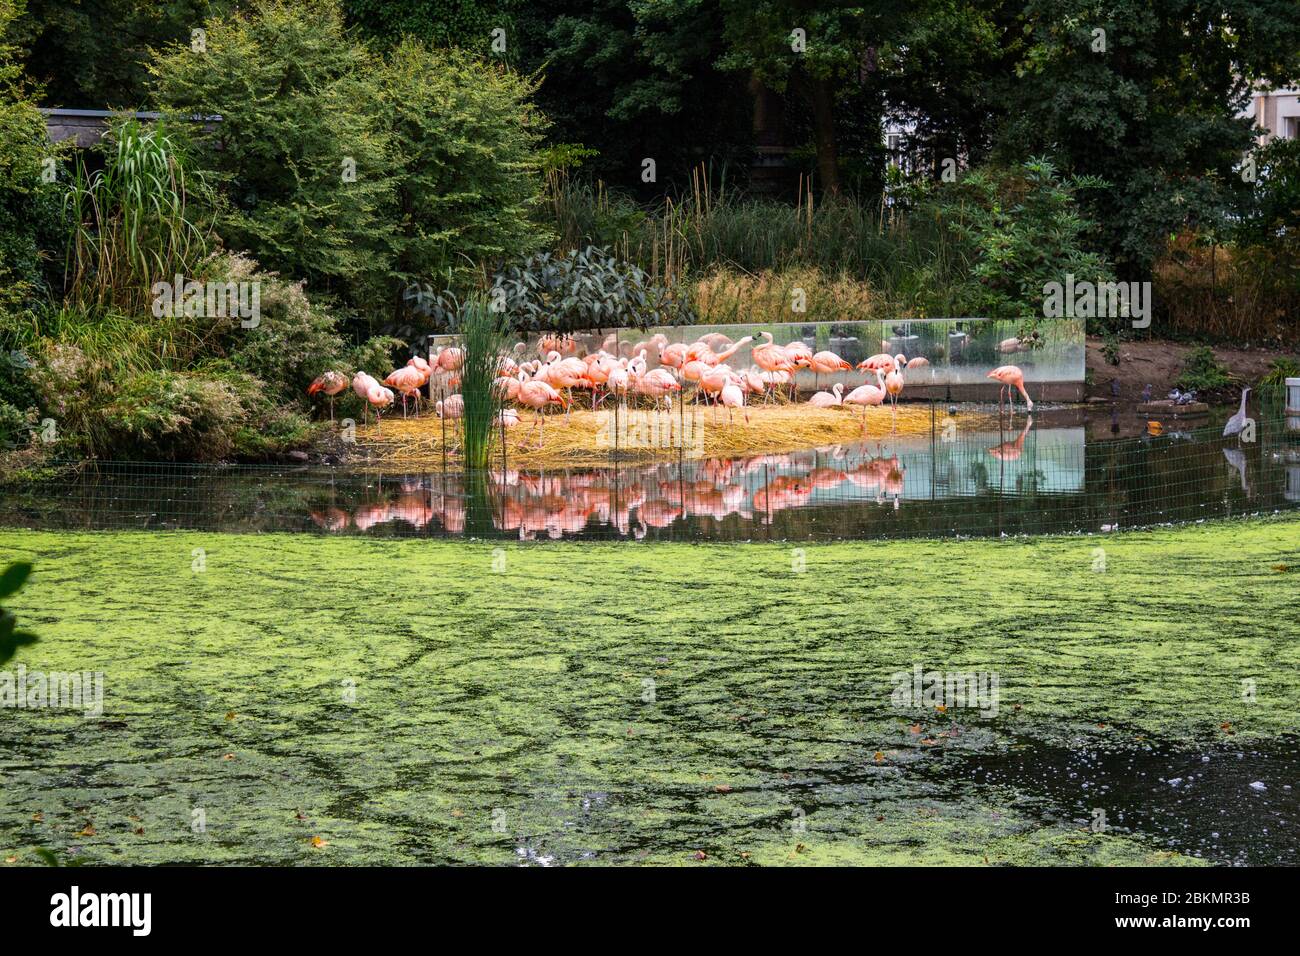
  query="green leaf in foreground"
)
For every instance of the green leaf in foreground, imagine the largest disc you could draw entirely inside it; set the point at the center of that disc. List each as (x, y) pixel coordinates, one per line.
(10, 638)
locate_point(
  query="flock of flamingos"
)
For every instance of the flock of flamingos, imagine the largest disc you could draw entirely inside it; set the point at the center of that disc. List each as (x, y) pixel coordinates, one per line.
(620, 370)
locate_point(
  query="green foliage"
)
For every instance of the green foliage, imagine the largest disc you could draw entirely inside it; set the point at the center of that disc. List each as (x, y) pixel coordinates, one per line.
(11, 580)
(1272, 386)
(95, 54)
(294, 340)
(298, 100)
(1020, 228)
(464, 23)
(467, 181)
(1202, 372)
(1153, 114)
(483, 336)
(29, 213)
(359, 173)
(133, 220)
(585, 289)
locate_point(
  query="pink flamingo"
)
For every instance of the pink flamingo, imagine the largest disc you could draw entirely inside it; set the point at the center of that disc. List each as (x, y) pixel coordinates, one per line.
(733, 397)
(537, 394)
(361, 385)
(408, 380)
(657, 383)
(881, 361)
(1011, 377)
(379, 397)
(330, 383)
(674, 356)
(894, 384)
(827, 363)
(771, 357)
(865, 395)
(826, 399)
(453, 406)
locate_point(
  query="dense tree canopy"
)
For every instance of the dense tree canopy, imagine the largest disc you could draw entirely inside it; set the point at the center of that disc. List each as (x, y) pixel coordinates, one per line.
(1141, 93)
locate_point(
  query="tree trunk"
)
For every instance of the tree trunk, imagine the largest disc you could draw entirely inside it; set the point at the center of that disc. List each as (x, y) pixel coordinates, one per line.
(822, 94)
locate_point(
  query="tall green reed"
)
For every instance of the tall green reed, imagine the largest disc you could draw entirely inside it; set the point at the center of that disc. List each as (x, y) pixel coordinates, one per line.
(483, 337)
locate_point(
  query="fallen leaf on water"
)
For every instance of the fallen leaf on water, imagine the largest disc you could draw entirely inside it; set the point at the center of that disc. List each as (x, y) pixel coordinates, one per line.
(928, 741)
(722, 788)
(744, 855)
(1281, 568)
(139, 831)
(38, 818)
(1226, 725)
(458, 813)
(11, 859)
(230, 715)
(1101, 726)
(227, 756)
(915, 728)
(879, 757)
(941, 708)
(701, 855)
(318, 843)
(88, 830)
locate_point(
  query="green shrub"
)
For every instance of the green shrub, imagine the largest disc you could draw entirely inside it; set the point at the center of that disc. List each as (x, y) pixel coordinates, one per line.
(586, 289)
(1272, 386)
(299, 157)
(29, 206)
(1202, 372)
(467, 180)
(295, 339)
(1020, 228)
(359, 174)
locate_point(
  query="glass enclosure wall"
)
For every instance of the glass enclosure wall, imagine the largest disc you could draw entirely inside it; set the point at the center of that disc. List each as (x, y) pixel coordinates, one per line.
(955, 351)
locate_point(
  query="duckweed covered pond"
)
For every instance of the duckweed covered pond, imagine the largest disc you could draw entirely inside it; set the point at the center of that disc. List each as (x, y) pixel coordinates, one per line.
(290, 699)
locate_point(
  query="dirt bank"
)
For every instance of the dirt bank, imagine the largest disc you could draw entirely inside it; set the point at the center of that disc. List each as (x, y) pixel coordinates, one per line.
(1159, 364)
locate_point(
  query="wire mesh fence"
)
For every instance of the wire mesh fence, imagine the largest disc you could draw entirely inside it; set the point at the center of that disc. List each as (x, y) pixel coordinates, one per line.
(1027, 480)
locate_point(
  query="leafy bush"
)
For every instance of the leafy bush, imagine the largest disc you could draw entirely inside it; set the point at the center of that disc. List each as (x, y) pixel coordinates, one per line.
(29, 210)
(1202, 372)
(294, 340)
(585, 289)
(1272, 385)
(355, 173)
(1020, 228)
(467, 178)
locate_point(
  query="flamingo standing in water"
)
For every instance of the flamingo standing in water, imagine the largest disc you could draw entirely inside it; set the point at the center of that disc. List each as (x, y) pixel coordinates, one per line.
(331, 383)
(1011, 377)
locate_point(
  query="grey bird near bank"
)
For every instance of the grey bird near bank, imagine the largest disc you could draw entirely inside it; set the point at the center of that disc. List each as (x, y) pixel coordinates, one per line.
(1238, 421)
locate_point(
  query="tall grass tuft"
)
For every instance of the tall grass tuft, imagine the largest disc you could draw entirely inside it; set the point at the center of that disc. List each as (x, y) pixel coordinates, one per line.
(133, 223)
(483, 337)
